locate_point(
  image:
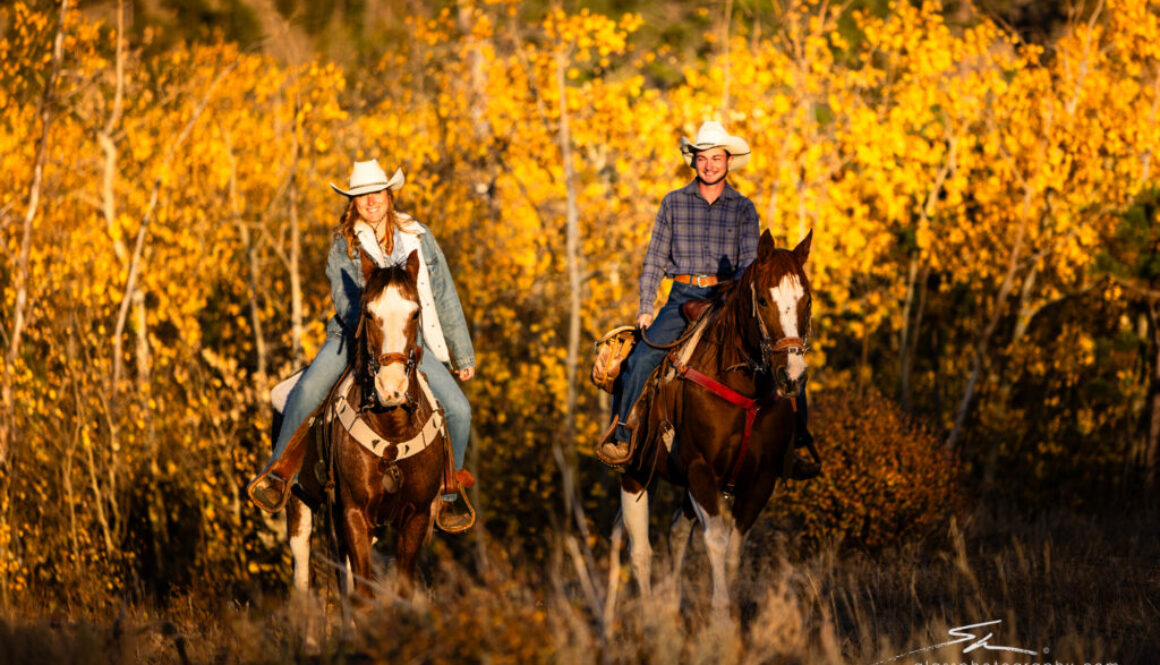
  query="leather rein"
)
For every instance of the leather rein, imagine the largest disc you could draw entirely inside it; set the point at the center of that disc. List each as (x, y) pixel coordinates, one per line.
(787, 345)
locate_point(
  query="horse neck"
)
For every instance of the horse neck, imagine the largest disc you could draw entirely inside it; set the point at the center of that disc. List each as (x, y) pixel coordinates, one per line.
(735, 329)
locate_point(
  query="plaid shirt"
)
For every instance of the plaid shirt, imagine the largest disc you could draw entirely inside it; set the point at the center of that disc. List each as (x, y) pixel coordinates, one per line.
(692, 237)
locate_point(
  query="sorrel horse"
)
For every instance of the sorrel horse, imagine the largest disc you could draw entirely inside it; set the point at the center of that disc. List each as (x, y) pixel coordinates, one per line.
(722, 420)
(382, 449)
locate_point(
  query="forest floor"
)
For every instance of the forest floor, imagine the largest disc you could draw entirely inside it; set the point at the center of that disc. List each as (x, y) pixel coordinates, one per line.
(1050, 588)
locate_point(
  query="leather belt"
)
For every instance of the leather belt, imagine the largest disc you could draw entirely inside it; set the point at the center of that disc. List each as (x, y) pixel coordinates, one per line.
(700, 280)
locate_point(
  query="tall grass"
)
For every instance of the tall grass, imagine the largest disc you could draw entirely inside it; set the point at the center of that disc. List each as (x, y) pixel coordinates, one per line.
(1073, 589)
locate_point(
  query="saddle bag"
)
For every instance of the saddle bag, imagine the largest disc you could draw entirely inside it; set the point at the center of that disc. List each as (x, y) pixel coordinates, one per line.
(611, 350)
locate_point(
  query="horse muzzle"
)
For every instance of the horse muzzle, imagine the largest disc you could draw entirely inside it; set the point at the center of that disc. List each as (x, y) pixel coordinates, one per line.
(789, 382)
(391, 386)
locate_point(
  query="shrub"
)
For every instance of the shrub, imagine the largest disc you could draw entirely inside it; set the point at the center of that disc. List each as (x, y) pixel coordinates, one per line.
(887, 479)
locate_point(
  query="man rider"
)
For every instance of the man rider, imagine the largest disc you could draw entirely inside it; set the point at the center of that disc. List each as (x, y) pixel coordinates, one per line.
(704, 236)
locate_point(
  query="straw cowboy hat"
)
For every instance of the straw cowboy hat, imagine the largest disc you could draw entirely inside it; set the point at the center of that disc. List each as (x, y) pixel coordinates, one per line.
(367, 177)
(713, 135)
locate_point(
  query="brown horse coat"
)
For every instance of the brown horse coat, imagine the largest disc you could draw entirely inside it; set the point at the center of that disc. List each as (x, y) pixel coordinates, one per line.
(361, 502)
(770, 302)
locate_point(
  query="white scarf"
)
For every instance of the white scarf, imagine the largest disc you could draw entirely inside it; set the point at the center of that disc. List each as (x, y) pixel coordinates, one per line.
(409, 239)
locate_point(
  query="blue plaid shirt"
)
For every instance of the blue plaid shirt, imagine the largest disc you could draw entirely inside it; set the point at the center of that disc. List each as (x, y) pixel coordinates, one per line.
(691, 237)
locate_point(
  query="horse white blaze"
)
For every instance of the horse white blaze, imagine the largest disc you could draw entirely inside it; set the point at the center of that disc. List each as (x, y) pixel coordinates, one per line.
(394, 310)
(786, 295)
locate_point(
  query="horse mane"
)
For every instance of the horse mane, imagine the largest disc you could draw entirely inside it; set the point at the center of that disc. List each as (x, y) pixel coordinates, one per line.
(734, 328)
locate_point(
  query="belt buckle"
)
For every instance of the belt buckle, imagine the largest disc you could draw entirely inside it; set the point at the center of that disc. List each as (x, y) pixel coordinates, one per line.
(697, 279)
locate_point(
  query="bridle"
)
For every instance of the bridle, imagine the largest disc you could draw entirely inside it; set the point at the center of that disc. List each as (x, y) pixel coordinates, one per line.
(375, 363)
(410, 360)
(787, 345)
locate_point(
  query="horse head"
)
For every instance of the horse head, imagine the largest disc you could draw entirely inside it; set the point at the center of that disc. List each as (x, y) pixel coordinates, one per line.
(780, 294)
(388, 351)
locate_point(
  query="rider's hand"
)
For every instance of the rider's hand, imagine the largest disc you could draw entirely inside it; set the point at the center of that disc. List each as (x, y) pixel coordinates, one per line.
(644, 321)
(466, 373)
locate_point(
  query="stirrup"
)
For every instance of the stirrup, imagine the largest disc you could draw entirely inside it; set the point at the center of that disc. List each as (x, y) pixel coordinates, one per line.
(614, 457)
(454, 522)
(269, 492)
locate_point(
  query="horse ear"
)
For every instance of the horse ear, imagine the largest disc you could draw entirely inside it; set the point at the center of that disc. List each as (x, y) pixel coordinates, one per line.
(802, 251)
(764, 246)
(368, 265)
(413, 265)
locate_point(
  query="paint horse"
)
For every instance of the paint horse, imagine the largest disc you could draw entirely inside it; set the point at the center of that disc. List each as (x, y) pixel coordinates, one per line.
(382, 455)
(721, 422)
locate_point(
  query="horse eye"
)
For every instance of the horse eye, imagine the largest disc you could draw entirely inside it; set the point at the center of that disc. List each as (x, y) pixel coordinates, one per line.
(762, 301)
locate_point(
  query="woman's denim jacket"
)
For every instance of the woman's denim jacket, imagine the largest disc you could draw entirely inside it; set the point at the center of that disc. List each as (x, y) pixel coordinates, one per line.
(346, 287)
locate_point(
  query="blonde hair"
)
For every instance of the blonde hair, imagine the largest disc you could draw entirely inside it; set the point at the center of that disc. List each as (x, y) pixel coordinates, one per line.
(350, 216)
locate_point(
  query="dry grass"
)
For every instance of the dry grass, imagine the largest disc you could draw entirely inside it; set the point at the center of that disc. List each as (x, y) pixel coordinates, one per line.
(1084, 588)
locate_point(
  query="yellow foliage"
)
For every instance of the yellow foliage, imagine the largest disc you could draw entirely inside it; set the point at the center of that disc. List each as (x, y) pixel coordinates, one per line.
(905, 144)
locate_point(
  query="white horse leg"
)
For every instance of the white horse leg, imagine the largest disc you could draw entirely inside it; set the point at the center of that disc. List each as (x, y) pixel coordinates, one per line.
(733, 553)
(634, 509)
(716, 542)
(680, 535)
(300, 531)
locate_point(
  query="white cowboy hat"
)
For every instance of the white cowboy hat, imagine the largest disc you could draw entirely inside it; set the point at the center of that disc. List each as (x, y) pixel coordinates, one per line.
(713, 135)
(367, 177)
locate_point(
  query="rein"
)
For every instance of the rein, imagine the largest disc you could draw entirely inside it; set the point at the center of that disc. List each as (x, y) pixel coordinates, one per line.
(788, 345)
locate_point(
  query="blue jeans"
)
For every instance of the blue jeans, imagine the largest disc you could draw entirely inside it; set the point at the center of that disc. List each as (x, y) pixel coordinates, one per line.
(455, 406)
(327, 368)
(312, 387)
(639, 364)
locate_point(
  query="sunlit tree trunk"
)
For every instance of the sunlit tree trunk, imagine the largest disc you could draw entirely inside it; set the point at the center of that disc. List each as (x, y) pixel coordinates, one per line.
(295, 249)
(726, 73)
(483, 176)
(254, 265)
(20, 282)
(983, 340)
(20, 278)
(913, 328)
(572, 254)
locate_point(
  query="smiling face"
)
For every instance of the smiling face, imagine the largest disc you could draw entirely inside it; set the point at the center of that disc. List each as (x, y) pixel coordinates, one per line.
(712, 165)
(372, 207)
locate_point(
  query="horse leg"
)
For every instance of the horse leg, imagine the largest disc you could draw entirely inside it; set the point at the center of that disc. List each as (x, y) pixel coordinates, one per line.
(299, 525)
(733, 553)
(411, 534)
(705, 499)
(356, 531)
(680, 535)
(299, 522)
(634, 509)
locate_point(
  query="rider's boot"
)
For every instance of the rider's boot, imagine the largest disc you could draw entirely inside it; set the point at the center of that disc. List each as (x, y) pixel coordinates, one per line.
(613, 448)
(270, 489)
(803, 468)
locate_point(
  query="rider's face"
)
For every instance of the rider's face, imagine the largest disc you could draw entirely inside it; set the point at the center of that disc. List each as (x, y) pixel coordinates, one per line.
(712, 165)
(372, 207)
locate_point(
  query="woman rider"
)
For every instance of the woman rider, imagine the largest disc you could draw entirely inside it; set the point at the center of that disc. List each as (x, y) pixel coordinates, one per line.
(371, 223)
